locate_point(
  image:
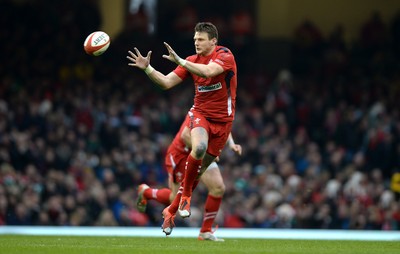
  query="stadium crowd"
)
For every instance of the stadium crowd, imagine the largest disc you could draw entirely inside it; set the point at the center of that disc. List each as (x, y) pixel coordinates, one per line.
(78, 134)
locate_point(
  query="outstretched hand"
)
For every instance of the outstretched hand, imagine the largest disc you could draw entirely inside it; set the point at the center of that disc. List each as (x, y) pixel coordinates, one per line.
(237, 149)
(137, 60)
(172, 55)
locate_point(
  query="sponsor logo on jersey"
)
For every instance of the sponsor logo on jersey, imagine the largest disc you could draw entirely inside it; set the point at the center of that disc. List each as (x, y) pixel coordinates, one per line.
(210, 88)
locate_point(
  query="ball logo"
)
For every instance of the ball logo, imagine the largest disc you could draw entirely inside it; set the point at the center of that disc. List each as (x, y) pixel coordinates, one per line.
(99, 39)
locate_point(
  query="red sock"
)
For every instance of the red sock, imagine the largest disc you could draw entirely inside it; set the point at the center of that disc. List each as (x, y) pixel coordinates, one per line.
(175, 203)
(192, 170)
(210, 212)
(196, 182)
(160, 195)
(173, 207)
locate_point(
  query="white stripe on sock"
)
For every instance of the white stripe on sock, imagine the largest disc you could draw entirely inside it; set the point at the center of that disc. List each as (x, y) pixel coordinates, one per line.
(154, 193)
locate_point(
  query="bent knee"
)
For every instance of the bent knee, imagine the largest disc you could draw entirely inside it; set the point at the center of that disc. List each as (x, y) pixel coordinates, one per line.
(200, 150)
(218, 190)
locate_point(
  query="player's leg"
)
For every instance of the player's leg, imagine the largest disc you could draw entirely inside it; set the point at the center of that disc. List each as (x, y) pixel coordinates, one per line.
(207, 161)
(173, 208)
(194, 161)
(170, 211)
(199, 139)
(174, 189)
(141, 201)
(176, 172)
(213, 180)
(169, 217)
(145, 193)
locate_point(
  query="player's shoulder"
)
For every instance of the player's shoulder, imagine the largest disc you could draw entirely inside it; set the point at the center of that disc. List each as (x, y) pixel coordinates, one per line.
(191, 58)
(223, 49)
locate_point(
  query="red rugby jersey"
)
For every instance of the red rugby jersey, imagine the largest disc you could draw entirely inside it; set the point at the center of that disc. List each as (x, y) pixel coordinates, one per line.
(215, 97)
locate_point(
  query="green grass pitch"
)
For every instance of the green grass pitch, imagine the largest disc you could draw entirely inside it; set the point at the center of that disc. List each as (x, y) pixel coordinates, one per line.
(19, 244)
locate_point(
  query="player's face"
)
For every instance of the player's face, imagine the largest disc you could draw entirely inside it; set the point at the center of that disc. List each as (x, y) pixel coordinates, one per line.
(202, 44)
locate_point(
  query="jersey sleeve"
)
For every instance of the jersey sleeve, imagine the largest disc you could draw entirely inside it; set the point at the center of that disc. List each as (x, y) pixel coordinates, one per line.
(225, 59)
(181, 72)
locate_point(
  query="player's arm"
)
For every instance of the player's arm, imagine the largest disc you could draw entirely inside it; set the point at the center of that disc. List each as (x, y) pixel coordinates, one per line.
(165, 82)
(233, 146)
(203, 70)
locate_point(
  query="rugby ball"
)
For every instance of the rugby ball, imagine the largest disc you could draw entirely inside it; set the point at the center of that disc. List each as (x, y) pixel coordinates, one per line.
(96, 43)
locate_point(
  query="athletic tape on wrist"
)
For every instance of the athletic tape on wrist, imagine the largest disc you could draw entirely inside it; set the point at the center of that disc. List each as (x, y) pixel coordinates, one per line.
(182, 62)
(149, 69)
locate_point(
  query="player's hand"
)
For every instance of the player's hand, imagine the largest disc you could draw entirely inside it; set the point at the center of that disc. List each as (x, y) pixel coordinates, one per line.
(172, 55)
(236, 148)
(137, 60)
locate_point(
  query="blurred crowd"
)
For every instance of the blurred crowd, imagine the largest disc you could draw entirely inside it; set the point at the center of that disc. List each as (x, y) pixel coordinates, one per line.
(78, 134)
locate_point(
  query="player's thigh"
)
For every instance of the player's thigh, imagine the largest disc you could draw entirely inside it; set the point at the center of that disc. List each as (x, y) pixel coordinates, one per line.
(207, 160)
(199, 138)
(199, 132)
(214, 182)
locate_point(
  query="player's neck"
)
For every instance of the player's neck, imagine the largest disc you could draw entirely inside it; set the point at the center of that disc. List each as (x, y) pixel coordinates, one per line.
(205, 54)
